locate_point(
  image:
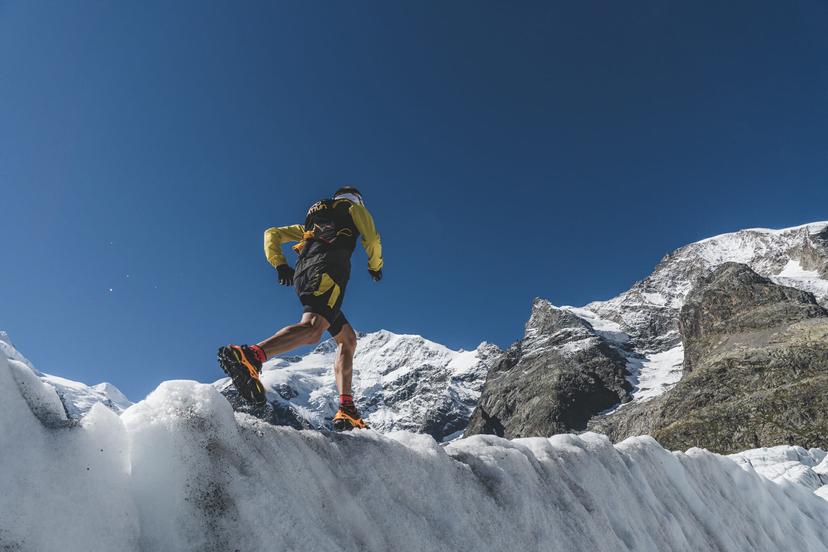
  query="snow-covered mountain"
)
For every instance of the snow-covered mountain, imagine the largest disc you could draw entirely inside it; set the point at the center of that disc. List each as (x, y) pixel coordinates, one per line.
(575, 364)
(401, 382)
(644, 319)
(181, 471)
(77, 398)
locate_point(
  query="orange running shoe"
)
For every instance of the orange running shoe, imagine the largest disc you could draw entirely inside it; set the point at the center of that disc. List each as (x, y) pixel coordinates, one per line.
(347, 419)
(243, 367)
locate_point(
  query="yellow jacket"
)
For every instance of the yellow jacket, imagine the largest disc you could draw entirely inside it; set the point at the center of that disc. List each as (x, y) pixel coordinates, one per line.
(276, 236)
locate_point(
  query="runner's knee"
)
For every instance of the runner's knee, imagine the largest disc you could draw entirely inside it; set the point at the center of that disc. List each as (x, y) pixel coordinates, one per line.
(347, 338)
(314, 331)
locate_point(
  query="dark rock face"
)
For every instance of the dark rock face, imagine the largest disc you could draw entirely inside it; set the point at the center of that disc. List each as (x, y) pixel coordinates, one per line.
(552, 381)
(756, 370)
(735, 299)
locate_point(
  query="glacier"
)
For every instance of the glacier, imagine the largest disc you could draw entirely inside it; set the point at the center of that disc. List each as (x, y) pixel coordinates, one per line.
(181, 471)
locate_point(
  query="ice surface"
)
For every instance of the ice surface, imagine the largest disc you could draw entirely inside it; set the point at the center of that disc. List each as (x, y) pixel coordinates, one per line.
(63, 488)
(787, 465)
(180, 471)
(8, 349)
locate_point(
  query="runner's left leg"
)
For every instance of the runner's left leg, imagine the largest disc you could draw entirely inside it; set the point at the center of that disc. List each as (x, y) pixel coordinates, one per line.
(307, 332)
(346, 340)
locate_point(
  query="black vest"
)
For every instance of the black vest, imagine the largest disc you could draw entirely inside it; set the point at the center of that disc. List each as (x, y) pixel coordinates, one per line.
(332, 227)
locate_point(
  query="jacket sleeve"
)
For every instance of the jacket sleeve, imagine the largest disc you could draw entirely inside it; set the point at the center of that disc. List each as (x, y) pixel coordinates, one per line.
(275, 237)
(370, 237)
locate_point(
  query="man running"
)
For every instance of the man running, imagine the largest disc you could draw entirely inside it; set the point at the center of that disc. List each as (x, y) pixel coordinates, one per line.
(325, 244)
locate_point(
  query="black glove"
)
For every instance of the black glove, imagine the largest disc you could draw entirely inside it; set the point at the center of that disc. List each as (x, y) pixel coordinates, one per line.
(285, 274)
(376, 275)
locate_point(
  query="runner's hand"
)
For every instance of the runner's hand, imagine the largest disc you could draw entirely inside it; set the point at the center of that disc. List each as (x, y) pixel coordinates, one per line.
(285, 274)
(376, 275)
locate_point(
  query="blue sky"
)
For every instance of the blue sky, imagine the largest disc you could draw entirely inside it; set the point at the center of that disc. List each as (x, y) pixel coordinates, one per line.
(506, 150)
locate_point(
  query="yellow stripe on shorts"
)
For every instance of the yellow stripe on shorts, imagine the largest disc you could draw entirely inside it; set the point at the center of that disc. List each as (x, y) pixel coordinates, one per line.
(327, 284)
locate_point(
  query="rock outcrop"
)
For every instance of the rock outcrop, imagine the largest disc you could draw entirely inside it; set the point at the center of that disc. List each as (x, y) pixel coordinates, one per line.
(756, 370)
(552, 381)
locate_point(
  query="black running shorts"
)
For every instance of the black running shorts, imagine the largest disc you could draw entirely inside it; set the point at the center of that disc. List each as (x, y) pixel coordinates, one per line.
(320, 282)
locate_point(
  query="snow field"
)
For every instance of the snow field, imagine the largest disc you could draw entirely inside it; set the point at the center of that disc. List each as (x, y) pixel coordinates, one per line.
(655, 373)
(794, 275)
(181, 471)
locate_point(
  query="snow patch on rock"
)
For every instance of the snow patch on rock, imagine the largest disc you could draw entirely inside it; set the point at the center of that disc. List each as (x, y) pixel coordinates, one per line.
(794, 275)
(656, 373)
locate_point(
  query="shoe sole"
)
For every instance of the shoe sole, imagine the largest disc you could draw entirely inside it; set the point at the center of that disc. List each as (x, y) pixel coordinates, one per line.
(344, 424)
(251, 390)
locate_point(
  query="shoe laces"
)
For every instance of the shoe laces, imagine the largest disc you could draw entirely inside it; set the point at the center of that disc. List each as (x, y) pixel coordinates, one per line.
(350, 411)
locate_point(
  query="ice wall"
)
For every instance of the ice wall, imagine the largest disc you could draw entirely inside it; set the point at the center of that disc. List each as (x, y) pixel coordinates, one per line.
(181, 471)
(62, 487)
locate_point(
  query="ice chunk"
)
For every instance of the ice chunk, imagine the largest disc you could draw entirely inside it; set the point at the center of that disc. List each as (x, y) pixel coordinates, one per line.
(63, 488)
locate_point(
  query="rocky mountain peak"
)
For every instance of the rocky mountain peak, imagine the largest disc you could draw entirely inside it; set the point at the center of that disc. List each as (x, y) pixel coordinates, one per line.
(547, 317)
(648, 311)
(635, 336)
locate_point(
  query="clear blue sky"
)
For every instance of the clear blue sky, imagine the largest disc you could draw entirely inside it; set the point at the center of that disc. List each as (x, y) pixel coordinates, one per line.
(507, 151)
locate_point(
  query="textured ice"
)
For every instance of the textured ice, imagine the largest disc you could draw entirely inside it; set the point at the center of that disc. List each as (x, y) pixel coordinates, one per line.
(180, 471)
(787, 465)
(64, 487)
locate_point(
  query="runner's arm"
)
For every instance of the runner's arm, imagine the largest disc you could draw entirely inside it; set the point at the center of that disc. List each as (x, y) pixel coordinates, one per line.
(370, 237)
(275, 237)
